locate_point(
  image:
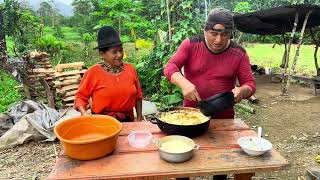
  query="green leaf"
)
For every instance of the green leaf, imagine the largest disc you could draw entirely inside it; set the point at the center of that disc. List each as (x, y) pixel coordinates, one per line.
(173, 99)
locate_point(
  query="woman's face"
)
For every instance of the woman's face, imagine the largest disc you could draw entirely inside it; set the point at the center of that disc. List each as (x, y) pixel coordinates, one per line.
(113, 56)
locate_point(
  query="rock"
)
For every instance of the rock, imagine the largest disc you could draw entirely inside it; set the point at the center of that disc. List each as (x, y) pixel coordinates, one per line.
(294, 137)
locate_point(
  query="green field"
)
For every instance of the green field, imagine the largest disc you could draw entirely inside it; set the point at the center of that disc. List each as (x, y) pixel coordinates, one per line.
(266, 56)
(70, 34)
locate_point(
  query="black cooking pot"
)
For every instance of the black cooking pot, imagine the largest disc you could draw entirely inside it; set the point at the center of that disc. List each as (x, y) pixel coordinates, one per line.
(216, 103)
(184, 130)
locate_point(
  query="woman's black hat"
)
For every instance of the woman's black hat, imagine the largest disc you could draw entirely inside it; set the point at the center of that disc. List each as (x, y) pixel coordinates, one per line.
(107, 37)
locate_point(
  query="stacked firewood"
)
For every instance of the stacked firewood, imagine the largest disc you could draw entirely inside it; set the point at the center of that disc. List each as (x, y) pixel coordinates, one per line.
(38, 82)
(67, 80)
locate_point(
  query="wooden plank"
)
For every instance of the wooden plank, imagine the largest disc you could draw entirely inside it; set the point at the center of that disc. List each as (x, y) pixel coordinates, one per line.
(43, 70)
(215, 124)
(67, 93)
(63, 78)
(47, 62)
(70, 93)
(68, 73)
(67, 82)
(40, 75)
(68, 105)
(210, 140)
(149, 165)
(70, 98)
(77, 65)
(66, 88)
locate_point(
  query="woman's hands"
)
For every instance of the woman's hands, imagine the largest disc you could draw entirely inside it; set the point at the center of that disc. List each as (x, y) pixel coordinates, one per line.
(83, 111)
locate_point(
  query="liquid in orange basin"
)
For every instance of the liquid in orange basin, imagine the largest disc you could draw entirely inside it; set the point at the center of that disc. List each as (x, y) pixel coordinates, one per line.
(88, 137)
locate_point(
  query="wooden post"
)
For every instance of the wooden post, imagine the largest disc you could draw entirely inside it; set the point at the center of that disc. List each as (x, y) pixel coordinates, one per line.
(284, 74)
(296, 57)
(169, 23)
(285, 52)
(317, 43)
(48, 92)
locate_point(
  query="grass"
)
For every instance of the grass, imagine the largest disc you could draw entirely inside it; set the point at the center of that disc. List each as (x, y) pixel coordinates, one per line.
(70, 34)
(10, 44)
(266, 56)
(8, 94)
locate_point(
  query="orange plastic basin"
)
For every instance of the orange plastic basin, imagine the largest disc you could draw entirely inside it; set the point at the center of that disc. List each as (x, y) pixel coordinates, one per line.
(88, 137)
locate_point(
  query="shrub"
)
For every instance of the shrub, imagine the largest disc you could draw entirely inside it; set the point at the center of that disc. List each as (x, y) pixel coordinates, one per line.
(8, 94)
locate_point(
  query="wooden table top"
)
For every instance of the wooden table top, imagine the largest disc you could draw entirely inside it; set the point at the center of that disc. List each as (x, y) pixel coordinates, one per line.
(218, 154)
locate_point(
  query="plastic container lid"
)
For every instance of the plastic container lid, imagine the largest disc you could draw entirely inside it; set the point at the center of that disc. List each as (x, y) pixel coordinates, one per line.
(139, 138)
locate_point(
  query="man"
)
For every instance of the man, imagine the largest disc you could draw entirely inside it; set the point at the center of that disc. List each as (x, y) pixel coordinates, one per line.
(212, 64)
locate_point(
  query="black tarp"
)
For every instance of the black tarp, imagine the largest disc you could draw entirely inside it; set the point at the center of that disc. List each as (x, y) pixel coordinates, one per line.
(277, 20)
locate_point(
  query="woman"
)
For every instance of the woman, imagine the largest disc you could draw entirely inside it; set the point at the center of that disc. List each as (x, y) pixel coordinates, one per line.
(112, 85)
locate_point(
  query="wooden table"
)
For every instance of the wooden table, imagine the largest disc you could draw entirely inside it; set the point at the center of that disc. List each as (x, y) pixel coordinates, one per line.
(218, 154)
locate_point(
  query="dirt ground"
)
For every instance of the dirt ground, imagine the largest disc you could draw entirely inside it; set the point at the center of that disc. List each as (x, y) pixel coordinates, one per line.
(291, 123)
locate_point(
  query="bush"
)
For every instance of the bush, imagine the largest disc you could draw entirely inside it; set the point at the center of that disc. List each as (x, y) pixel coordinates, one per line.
(8, 94)
(50, 44)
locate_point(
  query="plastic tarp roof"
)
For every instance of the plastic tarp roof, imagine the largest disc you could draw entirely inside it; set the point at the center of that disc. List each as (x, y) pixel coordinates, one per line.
(277, 20)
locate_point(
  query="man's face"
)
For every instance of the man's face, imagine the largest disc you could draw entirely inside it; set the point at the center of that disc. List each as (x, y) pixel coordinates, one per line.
(217, 38)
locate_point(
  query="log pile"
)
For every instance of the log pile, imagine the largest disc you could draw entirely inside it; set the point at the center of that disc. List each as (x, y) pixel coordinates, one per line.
(38, 83)
(67, 80)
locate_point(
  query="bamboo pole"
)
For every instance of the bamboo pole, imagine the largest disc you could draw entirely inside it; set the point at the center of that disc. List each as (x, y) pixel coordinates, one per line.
(168, 17)
(206, 10)
(284, 74)
(296, 57)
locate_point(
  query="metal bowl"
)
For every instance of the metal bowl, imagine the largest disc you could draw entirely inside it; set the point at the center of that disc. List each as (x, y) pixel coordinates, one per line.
(184, 154)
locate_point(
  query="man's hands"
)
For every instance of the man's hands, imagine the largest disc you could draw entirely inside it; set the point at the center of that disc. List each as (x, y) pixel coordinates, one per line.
(241, 92)
(190, 92)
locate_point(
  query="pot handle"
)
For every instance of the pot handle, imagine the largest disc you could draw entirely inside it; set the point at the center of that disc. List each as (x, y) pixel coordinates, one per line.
(154, 120)
(156, 141)
(196, 146)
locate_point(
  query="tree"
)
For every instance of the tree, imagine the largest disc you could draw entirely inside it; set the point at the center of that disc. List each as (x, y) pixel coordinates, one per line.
(3, 46)
(47, 13)
(82, 7)
(122, 14)
(21, 24)
(82, 18)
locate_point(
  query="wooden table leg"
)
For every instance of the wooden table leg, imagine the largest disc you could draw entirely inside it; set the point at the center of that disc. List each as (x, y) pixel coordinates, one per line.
(246, 176)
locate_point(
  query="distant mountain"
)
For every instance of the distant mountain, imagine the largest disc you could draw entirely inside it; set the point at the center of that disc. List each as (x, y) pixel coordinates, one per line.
(63, 6)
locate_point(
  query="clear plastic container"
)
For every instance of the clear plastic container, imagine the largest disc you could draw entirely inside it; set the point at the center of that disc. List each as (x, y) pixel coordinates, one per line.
(139, 138)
